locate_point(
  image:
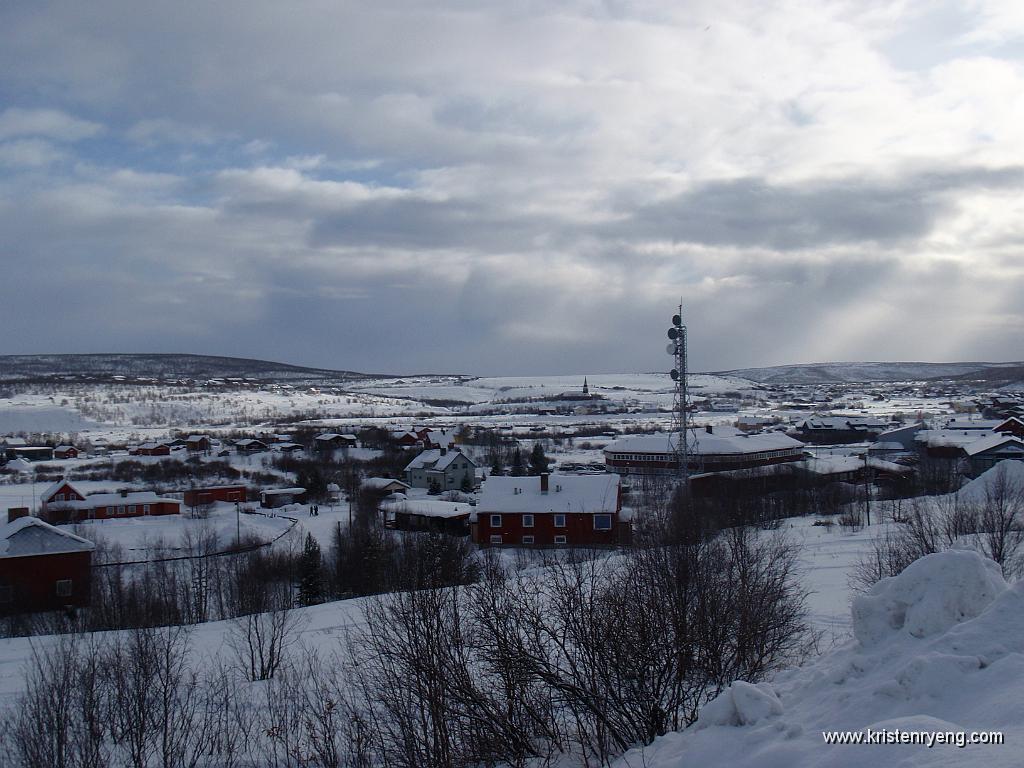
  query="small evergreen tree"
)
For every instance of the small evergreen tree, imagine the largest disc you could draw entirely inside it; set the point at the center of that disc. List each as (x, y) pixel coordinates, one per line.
(538, 461)
(467, 484)
(311, 583)
(497, 467)
(518, 470)
(435, 487)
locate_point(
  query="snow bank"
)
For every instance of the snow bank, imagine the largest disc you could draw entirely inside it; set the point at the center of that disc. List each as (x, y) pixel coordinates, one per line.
(929, 597)
(1009, 471)
(939, 648)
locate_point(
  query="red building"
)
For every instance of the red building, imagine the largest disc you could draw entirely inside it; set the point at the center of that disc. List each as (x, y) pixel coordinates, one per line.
(65, 452)
(197, 497)
(151, 449)
(551, 511)
(63, 503)
(42, 568)
(1012, 426)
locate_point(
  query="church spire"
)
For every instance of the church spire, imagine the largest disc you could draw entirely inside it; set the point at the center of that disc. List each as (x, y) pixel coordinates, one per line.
(586, 389)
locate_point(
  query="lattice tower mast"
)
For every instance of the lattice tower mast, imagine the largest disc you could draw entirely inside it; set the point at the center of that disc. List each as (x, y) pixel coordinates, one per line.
(681, 397)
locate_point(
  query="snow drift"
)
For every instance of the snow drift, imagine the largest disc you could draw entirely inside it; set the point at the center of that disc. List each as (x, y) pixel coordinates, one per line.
(939, 647)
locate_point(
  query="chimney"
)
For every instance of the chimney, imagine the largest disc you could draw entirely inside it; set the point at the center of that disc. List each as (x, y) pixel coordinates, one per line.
(124, 493)
(13, 513)
(543, 482)
(709, 429)
(444, 450)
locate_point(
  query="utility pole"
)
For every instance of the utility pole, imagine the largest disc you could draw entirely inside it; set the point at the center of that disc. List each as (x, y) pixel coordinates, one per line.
(867, 489)
(238, 525)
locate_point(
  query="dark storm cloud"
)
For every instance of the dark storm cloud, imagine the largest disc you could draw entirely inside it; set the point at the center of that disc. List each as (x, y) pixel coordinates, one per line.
(754, 213)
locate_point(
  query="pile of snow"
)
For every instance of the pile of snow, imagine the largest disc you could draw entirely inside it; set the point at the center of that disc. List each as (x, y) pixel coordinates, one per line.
(929, 597)
(1008, 472)
(939, 647)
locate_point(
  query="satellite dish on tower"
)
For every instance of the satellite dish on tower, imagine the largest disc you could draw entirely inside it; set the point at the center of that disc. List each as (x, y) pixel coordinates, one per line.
(671, 349)
(674, 374)
(673, 333)
(677, 321)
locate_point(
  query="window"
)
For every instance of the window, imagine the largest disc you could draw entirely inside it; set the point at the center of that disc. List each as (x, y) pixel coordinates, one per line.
(527, 539)
(131, 509)
(59, 497)
(559, 521)
(64, 588)
(495, 539)
(559, 539)
(145, 509)
(527, 521)
(495, 521)
(120, 510)
(602, 522)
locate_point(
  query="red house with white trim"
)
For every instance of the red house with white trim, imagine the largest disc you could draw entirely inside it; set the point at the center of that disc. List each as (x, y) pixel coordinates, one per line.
(551, 511)
(63, 503)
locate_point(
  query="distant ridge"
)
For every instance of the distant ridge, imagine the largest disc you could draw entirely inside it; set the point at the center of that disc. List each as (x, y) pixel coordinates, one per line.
(161, 366)
(837, 373)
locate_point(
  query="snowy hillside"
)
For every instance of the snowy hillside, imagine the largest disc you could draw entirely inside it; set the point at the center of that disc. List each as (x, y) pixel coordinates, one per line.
(939, 648)
(827, 373)
(21, 367)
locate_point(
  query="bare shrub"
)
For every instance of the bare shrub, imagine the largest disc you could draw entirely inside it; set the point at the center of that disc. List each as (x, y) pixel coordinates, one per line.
(261, 641)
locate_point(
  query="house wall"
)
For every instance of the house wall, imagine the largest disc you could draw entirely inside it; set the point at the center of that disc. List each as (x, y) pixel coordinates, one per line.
(33, 581)
(578, 530)
(194, 497)
(129, 509)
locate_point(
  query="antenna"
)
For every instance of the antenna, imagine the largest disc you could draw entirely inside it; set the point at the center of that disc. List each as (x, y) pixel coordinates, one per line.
(681, 398)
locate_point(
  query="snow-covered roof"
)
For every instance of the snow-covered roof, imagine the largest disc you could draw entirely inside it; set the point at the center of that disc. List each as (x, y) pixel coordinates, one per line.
(283, 491)
(248, 441)
(990, 442)
(65, 448)
(566, 493)
(29, 536)
(436, 460)
(13, 442)
(722, 440)
(429, 508)
(965, 422)
(841, 423)
(380, 483)
(17, 465)
(113, 499)
(947, 438)
(833, 465)
(53, 488)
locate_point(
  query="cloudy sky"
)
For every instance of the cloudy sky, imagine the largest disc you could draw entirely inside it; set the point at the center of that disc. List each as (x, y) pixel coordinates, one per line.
(513, 187)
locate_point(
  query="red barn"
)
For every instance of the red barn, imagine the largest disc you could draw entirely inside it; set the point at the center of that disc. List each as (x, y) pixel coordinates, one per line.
(197, 497)
(42, 568)
(552, 511)
(65, 452)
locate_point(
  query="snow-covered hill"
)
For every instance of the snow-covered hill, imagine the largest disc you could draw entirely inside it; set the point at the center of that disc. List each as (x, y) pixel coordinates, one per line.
(160, 366)
(939, 648)
(829, 373)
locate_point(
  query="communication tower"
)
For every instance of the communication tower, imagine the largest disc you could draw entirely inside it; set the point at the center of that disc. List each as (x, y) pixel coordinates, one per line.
(685, 440)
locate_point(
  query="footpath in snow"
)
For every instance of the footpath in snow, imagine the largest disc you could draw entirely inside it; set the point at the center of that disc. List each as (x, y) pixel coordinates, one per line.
(937, 649)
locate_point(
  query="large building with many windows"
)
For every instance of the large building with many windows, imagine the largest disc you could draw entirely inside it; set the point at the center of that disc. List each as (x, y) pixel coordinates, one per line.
(712, 449)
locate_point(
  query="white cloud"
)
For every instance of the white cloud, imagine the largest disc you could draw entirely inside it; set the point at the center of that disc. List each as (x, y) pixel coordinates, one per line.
(50, 123)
